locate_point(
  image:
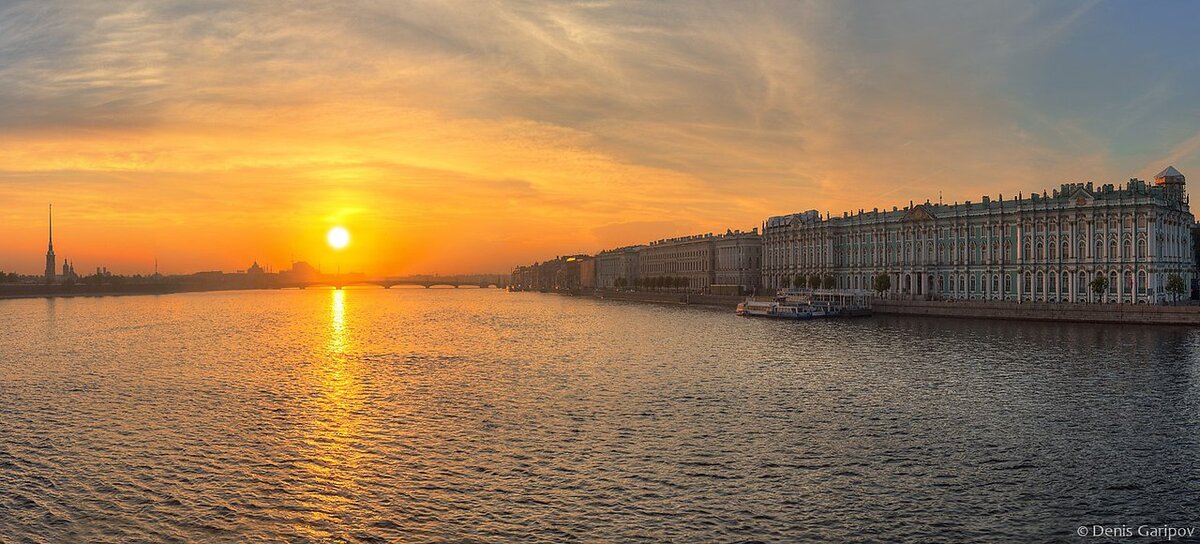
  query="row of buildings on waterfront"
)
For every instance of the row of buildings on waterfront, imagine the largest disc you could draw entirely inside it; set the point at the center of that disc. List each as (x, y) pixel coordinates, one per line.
(1048, 247)
(730, 262)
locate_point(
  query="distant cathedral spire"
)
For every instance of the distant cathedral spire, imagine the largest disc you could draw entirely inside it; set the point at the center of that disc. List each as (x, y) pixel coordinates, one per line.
(50, 249)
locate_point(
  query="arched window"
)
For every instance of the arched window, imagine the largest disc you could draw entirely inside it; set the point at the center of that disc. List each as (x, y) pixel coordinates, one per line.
(1027, 255)
(1039, 285)
(1112, 282)
(962, 282)
(995, 283)
(1066, 250)
(1028, 282)
(1143, 287)
(1127, 249)
(1081, 286)
(973, 283)
(1053, 254)
(1041, 251)
(1112, 250)
(1052, 284)
(1082, 250)
(1142, 247)
(952, 286)
(1099, 254)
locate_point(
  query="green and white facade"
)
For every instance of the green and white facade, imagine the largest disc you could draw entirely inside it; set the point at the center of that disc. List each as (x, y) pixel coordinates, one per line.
(1046, 247)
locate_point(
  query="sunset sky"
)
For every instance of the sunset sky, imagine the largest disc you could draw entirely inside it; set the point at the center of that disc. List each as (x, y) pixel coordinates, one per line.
(472, 136)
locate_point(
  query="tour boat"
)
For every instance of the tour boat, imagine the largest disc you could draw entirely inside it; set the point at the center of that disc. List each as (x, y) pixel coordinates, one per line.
(755, 308)
(779, 310)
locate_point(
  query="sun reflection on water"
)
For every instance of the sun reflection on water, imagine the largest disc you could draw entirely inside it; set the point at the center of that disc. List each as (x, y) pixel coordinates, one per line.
(337, 419)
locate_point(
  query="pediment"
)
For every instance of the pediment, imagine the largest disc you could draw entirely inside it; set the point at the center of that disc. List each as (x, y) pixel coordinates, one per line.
(1081, 196)
(919, 213)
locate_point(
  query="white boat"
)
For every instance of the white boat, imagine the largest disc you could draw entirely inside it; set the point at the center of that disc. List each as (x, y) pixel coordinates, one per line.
(755, 309)
(778, 310)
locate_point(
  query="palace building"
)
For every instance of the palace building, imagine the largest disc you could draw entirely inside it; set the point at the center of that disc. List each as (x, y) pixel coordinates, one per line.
(730, 259)
(1046, 247)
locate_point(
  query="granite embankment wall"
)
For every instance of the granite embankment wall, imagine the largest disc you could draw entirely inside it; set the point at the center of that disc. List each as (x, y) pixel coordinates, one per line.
(87, 290)
(1088, 313)
(672, 298)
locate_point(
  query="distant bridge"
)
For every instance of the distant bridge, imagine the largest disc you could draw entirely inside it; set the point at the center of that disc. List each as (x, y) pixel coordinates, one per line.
(338, 282)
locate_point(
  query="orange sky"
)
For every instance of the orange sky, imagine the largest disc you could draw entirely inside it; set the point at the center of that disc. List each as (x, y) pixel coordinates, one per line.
(473, 136)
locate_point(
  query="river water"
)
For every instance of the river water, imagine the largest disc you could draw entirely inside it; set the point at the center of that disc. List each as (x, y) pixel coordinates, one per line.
(480, 415)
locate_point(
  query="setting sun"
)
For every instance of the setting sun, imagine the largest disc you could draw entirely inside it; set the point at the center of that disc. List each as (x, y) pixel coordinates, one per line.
(338, 237)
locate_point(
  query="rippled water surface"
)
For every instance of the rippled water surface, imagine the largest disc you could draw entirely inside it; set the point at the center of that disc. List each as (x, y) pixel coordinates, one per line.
(449, 415)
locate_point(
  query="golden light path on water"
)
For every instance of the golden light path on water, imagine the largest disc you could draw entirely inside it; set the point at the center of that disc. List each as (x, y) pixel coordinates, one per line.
(335, 456)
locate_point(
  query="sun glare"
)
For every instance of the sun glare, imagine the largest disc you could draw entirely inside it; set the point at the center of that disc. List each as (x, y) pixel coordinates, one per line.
(338, 237)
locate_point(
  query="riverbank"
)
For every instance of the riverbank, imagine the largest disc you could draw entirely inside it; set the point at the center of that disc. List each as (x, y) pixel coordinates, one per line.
(83, 290)
(996, 310)
(1044, 311)
(720, 301)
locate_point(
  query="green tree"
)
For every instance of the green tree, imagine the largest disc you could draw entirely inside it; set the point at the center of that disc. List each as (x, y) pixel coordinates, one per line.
(682, 282)
(829, 282)
(1099, 285)
(798, 281)
(1176, 286)
(814, 281)
(619, 282)
(882, 282)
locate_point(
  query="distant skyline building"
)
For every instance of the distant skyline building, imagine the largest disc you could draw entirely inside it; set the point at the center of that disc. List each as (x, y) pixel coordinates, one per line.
(50, 259)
